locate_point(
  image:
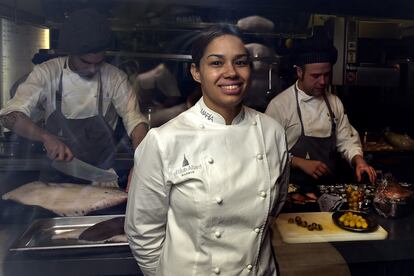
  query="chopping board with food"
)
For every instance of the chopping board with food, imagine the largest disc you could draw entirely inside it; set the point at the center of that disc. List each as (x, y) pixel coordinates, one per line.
(326, 227)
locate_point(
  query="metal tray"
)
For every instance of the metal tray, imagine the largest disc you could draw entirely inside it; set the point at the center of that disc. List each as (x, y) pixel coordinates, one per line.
(38, 236)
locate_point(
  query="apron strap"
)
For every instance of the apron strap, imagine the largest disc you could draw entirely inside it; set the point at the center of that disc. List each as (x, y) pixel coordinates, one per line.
(59, 92)
(100, 96)
(299, 113)
(331, 114)
(58, 95)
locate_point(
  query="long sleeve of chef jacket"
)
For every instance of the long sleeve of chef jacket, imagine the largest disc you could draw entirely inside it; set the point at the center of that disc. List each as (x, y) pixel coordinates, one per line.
(145, 223)
(283, 182)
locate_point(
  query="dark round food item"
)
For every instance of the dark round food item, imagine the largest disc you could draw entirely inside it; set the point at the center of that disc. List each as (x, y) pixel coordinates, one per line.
(310, 227)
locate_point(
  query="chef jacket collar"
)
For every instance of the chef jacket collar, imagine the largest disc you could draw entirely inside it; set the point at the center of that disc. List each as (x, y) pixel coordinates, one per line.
(70, 72)
(302, 96)
(212, 116)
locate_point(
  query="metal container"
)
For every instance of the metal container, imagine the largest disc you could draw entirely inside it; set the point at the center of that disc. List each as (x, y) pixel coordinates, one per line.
(389, 208)
(38, 238)
(391, 205)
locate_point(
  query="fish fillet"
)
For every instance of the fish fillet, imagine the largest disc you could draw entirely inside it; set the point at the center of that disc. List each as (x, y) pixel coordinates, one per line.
(104, 230)
(76, 235)
(67, 199)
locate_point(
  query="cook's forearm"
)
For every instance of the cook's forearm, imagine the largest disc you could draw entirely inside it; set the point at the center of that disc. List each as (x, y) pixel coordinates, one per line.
(138, 134)
(19, 123)
(146, 212)
(357, 159)
(296, 162)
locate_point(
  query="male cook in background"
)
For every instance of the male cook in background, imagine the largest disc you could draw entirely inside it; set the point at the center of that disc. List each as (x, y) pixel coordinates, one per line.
(314, 119)
(82, 96)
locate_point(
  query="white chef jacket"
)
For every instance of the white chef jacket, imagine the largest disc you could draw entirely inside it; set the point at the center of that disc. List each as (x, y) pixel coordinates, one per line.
(202, 192)
(316, 120)
(39, 90)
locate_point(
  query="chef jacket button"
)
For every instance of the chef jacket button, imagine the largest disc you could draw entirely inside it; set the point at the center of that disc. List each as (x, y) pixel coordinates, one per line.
(202, 126)
(210, 160)
(263, 194)
(249, 267)
(259, 156)
(217, 270)
(217, 234)
(219, 200)
(254, 123)
(257, 230)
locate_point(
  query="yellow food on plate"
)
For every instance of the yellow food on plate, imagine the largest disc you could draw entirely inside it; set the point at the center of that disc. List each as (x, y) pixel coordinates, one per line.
(350, 219)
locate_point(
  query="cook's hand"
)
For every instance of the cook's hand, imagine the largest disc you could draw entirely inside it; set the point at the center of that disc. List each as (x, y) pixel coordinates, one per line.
(361, 166)
(56, 149)
(314, 168)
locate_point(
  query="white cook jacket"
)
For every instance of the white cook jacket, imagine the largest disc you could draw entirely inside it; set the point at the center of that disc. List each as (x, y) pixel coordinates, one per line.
(79, 95)
(316, 120)
(202, 192)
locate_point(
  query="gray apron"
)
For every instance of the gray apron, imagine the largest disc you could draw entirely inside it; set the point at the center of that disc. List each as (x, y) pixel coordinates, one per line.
(90, 140)
(315, 148)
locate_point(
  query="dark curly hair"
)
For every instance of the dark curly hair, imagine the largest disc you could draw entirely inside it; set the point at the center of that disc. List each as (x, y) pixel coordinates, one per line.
(207, 35)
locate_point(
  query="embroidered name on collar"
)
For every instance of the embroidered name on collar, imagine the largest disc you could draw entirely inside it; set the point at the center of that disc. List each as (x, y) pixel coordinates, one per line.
(206, 114)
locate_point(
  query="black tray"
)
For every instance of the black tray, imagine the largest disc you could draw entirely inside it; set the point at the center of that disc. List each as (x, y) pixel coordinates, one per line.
(372, 222)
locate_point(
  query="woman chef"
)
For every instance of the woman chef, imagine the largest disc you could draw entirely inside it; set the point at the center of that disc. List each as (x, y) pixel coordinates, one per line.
(205, 183)
(82, 97)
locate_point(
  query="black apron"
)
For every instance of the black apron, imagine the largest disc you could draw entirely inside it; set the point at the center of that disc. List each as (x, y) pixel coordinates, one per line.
(314, 148)
(90, 140)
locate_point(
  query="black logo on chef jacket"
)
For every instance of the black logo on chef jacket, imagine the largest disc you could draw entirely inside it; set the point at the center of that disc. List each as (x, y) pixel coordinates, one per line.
(186, 168)
(185, 162)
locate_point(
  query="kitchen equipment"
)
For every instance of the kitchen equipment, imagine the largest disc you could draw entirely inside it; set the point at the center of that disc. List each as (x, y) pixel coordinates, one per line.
(38, 237)
(354, 197)
(393, 200)
(83, 170)
(292, 233)
(270, 93)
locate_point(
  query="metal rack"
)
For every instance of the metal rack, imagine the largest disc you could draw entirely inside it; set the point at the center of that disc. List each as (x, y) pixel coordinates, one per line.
(176, 57)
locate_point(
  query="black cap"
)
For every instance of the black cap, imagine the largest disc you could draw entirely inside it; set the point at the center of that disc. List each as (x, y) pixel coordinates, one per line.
(85, 31)
(316, 49)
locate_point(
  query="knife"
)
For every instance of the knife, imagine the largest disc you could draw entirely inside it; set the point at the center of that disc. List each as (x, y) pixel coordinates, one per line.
(83, 170)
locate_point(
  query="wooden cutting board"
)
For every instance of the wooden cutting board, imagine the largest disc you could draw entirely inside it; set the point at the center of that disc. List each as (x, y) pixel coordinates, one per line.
(291, 233)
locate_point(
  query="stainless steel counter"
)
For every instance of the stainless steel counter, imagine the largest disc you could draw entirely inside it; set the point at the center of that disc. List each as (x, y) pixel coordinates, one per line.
(22, 264)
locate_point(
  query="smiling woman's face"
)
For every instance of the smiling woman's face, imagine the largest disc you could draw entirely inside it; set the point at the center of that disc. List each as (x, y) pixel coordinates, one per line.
(223, 73)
